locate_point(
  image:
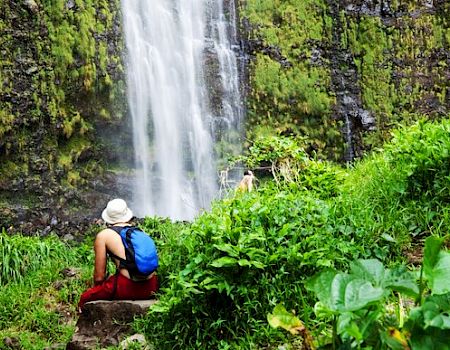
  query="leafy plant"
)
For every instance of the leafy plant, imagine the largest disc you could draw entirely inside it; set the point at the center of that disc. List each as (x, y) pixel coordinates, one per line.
(246, 250)
(286, 320)
(20, 255)
(400, 193)
(429, 323)
(356, 300)
(226, 271)
(357, 304)
(422, 154)
(273, 151)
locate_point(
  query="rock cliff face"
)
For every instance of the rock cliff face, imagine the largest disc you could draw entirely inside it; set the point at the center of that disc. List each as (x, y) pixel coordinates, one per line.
(344, 72)
(61, 108)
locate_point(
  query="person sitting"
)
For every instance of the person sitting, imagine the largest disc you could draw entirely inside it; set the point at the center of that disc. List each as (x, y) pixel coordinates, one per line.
(246, 184)
(122, 285)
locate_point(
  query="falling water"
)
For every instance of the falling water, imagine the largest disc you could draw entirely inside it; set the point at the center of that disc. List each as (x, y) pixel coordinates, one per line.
(174, 48)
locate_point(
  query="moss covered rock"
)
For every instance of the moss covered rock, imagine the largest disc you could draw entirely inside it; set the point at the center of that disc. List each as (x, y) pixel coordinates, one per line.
(343, 73)
(61, 82)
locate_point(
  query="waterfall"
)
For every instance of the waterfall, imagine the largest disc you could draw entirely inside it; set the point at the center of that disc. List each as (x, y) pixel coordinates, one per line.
(183, 96)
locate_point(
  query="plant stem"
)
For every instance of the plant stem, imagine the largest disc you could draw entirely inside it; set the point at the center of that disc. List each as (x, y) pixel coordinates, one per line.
(401, 318)
(419, 298)
(334, 331)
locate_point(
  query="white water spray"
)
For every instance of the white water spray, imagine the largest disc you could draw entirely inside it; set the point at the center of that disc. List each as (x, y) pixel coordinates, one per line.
(172, 46)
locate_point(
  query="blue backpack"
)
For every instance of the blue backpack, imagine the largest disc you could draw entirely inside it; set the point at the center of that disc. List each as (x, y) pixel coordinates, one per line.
(140, 252)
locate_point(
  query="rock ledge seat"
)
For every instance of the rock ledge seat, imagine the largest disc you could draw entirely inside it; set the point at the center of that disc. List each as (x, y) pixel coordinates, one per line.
(104, 323)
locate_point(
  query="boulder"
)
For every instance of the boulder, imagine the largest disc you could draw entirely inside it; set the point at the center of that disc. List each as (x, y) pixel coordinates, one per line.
(106, 323)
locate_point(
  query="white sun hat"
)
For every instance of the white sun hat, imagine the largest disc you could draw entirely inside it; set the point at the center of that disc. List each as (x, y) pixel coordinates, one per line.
(117, 211)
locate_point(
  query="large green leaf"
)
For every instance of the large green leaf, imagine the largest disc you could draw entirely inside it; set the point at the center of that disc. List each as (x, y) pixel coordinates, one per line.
(227, 248)
(357, 294)
(439, 277)
(244, 262)
(341, 292)
(440, 321)
(370, 269)
(436, 311)
(338, 293)
(431, 253)
(320, 284)
(398, 279)
(224, 262)
(429, 324)
(436, 265)
(401, 280)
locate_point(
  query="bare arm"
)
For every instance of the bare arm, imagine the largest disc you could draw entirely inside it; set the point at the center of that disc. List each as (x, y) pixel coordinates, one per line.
(100, 258)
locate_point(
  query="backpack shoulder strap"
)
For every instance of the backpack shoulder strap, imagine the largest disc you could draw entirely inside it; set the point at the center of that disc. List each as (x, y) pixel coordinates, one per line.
(118, 229)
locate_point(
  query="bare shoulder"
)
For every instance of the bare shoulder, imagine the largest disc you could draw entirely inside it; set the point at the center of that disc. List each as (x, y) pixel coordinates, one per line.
(105, 234)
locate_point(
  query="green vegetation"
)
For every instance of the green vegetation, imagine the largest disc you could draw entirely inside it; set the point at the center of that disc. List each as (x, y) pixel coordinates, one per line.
(38, 294)
(222, 274)
(356, 303)
(309, 223)
(382, 52)
(253, 251)
(289, 90)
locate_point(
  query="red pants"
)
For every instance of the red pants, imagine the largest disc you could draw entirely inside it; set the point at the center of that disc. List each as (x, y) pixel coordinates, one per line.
(125, 289)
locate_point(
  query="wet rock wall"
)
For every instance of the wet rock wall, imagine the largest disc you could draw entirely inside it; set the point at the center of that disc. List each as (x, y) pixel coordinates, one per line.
(62, 106)
(344, 73)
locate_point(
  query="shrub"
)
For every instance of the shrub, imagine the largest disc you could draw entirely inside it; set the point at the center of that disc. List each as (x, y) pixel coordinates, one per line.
(357, 304)
(402, 191)
(232, 265)
(250, 252)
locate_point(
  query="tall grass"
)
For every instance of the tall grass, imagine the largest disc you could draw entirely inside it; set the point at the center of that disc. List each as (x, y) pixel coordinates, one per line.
(37, 301)
(403, 191)
(20, 255)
